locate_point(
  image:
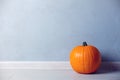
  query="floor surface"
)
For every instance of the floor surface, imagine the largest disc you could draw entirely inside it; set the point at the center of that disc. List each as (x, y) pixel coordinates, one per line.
(36, 74)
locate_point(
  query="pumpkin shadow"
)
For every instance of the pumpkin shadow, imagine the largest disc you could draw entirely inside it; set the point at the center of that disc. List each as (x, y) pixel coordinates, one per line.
(107, 67)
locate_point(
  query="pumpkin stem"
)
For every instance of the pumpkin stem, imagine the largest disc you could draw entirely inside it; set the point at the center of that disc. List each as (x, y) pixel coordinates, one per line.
(84, 43)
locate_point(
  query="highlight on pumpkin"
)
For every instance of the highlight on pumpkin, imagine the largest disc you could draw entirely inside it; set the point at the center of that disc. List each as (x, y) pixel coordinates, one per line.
(85, 58)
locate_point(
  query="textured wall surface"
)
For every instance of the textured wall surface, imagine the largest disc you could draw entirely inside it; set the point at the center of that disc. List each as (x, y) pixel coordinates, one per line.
(47, 30)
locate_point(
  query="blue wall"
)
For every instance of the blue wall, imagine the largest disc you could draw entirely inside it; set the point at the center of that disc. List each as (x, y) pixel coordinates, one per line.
(47, 30)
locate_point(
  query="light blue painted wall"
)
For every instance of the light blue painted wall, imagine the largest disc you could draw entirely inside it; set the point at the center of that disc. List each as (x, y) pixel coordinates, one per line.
(47, 30)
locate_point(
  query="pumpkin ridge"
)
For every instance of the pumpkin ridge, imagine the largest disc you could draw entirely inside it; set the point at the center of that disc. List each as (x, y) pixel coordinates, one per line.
(83, 61)
(88, 63)
(91, 55)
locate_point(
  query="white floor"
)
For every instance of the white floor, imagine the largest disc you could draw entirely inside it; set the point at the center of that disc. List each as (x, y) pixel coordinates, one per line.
(68, 74)
(17, 71)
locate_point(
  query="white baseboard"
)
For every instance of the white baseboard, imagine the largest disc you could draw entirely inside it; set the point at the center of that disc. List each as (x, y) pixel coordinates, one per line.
(35, 65)
(43, 64)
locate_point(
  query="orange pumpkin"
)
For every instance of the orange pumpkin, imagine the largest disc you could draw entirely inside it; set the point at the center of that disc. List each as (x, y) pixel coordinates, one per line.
(85, 58)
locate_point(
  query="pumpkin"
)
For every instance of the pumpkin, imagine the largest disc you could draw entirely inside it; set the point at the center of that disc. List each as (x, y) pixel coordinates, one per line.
(85, 58)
